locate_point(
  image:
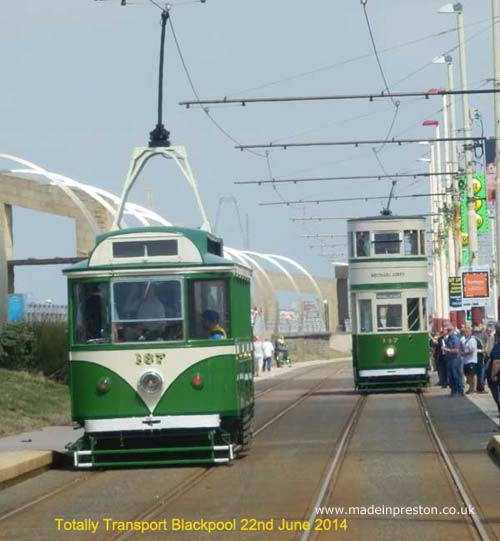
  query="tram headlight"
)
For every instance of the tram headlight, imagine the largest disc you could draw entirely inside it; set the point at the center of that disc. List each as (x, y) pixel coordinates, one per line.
(151, 382)
(390, 352)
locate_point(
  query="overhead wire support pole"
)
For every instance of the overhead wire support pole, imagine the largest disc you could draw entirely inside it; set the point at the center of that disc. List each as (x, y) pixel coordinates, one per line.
(321, 218)
(495, 8)
(412, 176)
(370, 97)
(342, 199)
(331, 218)
(422, 140)
(471, 211)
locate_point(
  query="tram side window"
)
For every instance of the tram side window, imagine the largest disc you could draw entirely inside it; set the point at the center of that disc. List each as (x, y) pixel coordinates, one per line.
(91, 313)
(362, 243)
(389, 317)
(365, 315)
(411, 242)
(148, 310)
(209, 310)
(386, 243)
(413, 311)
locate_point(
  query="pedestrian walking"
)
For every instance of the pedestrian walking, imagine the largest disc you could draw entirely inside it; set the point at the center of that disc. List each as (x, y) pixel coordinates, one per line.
(469, 352)
(258, 356)
(268, 348)
(452, 350)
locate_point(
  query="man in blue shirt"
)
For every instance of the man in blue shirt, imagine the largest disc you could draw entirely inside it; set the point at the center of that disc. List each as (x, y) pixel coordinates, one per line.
(452, 349)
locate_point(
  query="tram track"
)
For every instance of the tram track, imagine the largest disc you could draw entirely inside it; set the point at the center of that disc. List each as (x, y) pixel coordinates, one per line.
(335, 465)
(462, 492)
(282, 382)
(325, 492)
(190, 482)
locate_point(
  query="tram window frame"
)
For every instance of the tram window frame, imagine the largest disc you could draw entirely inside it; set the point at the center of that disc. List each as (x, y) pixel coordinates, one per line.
(138, 330)
(362, 316)
(350, 244)
(422, 241)
(77, 315)
(392, 328)
(410, 243)
(423, 304)
(418, 321)
(196, 331)
(378, 243)
(363, 241)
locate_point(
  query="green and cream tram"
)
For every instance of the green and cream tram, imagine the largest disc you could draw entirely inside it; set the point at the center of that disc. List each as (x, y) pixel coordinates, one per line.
(161, 360)
(388, 294)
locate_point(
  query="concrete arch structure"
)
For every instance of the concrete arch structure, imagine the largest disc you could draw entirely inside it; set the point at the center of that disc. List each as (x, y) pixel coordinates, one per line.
(95, 210)
(271, 310)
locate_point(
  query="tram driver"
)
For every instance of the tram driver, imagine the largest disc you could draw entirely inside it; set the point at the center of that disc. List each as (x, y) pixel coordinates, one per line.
(211, 324)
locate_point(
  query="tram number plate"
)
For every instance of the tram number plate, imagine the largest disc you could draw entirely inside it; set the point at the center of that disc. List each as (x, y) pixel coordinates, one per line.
(149, 358)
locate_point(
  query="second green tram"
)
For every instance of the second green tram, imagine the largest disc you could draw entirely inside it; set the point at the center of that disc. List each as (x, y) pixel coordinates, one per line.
(388, 293)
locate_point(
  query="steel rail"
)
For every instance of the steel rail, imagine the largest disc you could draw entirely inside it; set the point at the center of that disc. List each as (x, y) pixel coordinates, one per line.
(336, 462)
(187, 483)
(47, 495)
(452, 470)
(281, 382)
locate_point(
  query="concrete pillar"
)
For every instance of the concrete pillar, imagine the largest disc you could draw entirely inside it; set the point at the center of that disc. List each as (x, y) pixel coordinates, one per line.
(6, 253)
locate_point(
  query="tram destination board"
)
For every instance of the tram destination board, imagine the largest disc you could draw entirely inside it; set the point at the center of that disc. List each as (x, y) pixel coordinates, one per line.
(475, 286)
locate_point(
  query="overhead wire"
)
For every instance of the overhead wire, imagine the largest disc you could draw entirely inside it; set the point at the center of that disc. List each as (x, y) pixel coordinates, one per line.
(195, 92)
(351, 60)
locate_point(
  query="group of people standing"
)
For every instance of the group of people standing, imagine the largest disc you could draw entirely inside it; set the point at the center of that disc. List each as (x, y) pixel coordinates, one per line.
(264, 350)
(475, 355)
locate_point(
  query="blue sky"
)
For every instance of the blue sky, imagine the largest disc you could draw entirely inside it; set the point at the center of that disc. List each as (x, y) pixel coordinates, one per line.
(79, 85)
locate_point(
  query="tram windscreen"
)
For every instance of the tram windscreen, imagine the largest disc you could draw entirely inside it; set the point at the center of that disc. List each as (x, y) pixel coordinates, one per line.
(386, 243)
(148, 310)
(389, 317)
(91, 312)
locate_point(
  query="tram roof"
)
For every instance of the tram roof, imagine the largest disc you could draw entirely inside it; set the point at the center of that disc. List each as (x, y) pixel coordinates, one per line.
(208, 245)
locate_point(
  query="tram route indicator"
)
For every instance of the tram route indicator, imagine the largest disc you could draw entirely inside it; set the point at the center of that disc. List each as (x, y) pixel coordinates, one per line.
(455, 292)
(475, 286)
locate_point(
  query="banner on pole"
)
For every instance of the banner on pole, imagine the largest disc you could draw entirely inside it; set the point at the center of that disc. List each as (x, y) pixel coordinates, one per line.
(455, 292)
(475, 286)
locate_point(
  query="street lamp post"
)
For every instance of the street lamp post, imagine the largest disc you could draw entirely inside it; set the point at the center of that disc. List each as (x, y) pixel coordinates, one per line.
(495, 12)
(471, 213)
(437, 208)
(452, 163)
